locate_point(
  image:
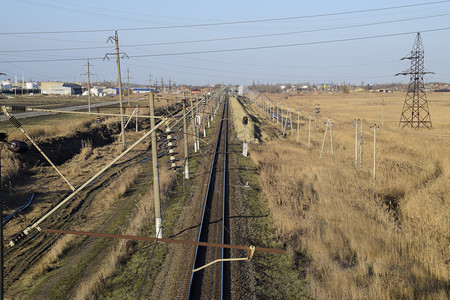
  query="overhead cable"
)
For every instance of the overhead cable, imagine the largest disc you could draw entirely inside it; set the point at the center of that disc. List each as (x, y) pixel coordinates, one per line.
(230, 22)
(241, 49)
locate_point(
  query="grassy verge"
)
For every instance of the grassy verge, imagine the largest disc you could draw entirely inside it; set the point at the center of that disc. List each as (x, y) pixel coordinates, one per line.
(277, 276)
(113, 198)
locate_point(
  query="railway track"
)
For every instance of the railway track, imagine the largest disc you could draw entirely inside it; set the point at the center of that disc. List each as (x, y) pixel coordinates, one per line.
(22, 257)
(214, 281)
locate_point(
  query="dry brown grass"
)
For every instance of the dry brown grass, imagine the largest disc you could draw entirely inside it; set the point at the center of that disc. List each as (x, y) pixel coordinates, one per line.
(10, 164)
(42, 132)
(238, 113)
(366, 240)
(142, 216)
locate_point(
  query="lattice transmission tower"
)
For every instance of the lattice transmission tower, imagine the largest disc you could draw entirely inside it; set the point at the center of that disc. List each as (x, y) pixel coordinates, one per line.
(415, 109)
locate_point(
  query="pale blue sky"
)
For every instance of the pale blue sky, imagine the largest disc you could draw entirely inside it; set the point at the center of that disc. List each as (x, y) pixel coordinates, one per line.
(314, 59)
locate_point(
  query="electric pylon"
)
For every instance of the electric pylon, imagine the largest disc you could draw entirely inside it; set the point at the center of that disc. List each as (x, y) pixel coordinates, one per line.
(415, 109)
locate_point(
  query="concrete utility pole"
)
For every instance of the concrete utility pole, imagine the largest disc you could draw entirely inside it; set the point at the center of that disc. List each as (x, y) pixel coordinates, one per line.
(361, 142)
(194, 129)
(137, 118)
(89, 85)
(309, 131)
(120, 89)
(374, 153)
(128, 86)
(186, 150)
(115, 39)
(156, 193)
(203, 118)
(331, 137)
(278, 116)
(356, 142)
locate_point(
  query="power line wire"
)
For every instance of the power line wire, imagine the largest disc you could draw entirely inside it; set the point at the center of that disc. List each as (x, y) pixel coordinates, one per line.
(231, 38)
(288, 45)
(231, 22)
(242, 49)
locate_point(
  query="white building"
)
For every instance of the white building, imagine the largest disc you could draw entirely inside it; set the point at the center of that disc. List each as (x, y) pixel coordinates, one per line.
(5, 85)
(58, 90)
(32, 86)
(110, 91)
(96, 91)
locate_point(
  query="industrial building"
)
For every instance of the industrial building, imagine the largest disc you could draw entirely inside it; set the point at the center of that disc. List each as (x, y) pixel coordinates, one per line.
(59, 88)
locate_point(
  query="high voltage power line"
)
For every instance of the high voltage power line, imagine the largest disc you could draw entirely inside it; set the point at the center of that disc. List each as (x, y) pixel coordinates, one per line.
(231, 22)
(239, 49)
(230, 38)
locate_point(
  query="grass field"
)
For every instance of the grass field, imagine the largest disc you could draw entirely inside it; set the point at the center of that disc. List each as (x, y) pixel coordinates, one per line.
(366, 239)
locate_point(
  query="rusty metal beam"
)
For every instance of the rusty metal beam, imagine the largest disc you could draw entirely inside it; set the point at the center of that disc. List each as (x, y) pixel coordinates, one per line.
(168, 241)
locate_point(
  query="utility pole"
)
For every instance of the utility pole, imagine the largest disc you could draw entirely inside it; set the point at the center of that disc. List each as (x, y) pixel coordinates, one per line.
(156, 193)
(89, 84)
(2, 293)
(89, 87)
(356, 143)
(137, 117)
(309, 131)
(186, 150)
(278, 116)
(115, 39)
(374, 152)
(194, 130)
(203, 118)
(361, 142)
(328, 124)
(331, 137)
(128, 86)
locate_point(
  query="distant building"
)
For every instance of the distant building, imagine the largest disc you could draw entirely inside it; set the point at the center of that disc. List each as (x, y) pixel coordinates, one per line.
(143, 90)
(59, 88)
(5, 86)
(47, 86)
(241, 90)
(32, 86)
(96, 91)
(110, 91)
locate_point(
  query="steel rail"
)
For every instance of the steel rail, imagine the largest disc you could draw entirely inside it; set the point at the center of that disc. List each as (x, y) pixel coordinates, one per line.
(224, 276)
(205, 202)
